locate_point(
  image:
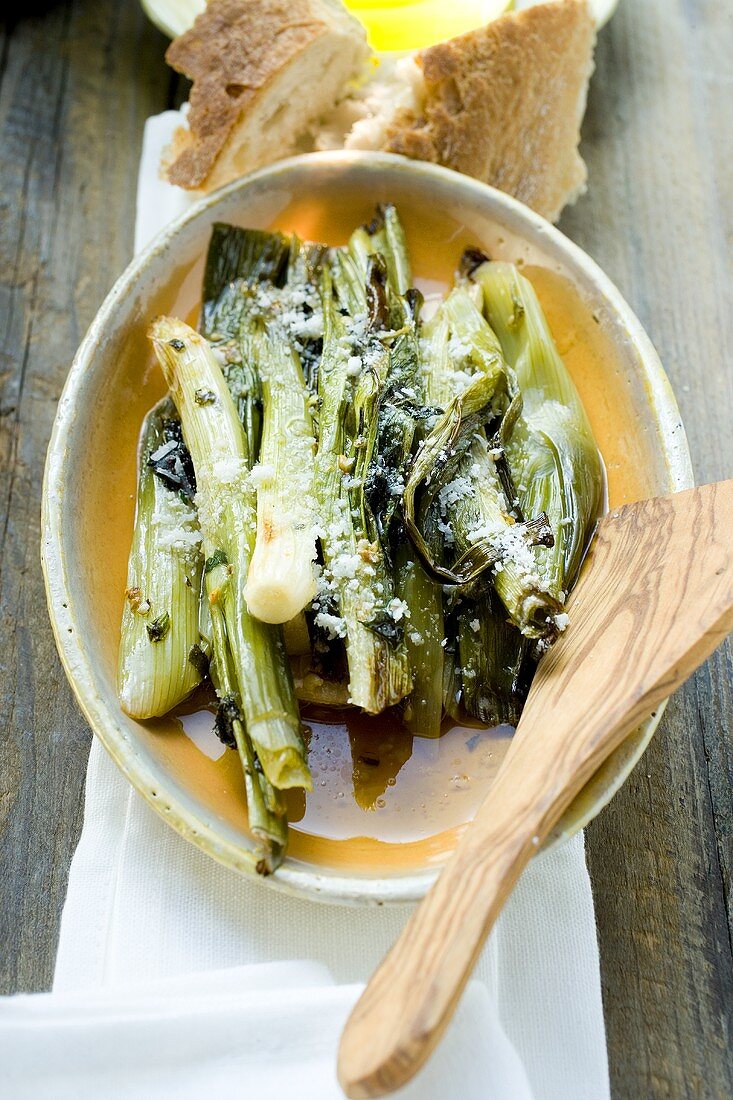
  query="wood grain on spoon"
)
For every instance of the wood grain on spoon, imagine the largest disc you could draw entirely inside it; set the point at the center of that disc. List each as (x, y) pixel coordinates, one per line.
(654, 600)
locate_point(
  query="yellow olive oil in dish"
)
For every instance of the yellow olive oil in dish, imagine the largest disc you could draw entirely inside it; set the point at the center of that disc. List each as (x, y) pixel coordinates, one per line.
(401, 25)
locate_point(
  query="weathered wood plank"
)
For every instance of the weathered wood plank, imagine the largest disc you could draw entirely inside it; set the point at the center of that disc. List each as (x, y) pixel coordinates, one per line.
(77, 85)
(658, 219)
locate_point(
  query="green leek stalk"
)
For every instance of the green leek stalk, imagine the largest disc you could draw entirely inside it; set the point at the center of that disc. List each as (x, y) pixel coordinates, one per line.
(401, 425)
(265, 808)
(264, 374)
(354, 561)
(281, 579)
(494, 660)
(160, 659)
(553, 457)
(384, 236)
(424, 639)
(302, 295)
(481, 513)
(226, 506)
(237, 260)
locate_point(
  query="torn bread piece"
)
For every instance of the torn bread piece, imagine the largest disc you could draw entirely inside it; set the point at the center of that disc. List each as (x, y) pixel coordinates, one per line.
(263, 71)
(505, 103)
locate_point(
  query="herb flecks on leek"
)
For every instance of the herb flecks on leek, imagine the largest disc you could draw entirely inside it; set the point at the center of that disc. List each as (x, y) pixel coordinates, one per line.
(160, 621)
(254, 651)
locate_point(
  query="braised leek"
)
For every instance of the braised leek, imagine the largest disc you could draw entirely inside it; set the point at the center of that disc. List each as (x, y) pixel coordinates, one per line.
(226, 507)
(352, 373)
(553, 457)
(160, 659)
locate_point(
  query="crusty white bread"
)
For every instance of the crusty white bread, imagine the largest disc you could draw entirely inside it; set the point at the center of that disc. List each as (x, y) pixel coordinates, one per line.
(505, 102)
(263, 71)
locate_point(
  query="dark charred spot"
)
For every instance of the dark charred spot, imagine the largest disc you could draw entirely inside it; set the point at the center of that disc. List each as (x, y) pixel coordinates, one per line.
(226, 715)
(472, 259)
(199, 660)
(386, 627)
(159, 627)
(171, 462)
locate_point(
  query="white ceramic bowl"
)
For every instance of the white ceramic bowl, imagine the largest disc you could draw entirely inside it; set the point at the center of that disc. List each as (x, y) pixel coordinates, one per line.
(89, 482)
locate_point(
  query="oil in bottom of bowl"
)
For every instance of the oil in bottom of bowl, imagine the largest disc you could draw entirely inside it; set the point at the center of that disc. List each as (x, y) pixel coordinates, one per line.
(378, 791)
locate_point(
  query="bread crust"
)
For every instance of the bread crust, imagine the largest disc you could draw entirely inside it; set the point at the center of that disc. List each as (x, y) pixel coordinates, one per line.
(504, 103)
(233, 51)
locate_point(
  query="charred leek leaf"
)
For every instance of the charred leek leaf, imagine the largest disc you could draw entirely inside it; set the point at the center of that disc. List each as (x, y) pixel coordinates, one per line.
(437, 464)
(480, 519)
(551, 452)
(160, 621)
(253, 651)
(250, 255)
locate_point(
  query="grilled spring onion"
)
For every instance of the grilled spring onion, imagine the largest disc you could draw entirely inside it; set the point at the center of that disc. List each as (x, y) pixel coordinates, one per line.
(551, 452)
(279, 326)
(353, 368)
(160, 660)
(254, 651)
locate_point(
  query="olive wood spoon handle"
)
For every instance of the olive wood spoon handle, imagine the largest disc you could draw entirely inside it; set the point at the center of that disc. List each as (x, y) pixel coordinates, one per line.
(654, 599)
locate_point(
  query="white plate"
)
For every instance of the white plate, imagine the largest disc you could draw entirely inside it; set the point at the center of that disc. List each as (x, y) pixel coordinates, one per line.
(90, 471)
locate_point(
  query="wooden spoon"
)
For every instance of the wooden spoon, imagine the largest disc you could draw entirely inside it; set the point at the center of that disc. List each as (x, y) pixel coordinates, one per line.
(654, 600)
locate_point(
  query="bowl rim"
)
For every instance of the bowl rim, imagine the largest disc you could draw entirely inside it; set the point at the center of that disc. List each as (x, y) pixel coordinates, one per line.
(295, 878)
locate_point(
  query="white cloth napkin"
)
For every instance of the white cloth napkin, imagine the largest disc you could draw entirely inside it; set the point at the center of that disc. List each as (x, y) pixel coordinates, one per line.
(178, 978)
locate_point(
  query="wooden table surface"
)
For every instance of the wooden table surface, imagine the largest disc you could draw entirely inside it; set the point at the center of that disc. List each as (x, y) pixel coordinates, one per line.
(77, 81)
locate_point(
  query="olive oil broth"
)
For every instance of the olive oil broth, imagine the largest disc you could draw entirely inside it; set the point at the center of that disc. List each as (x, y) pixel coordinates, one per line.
(381, 798)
